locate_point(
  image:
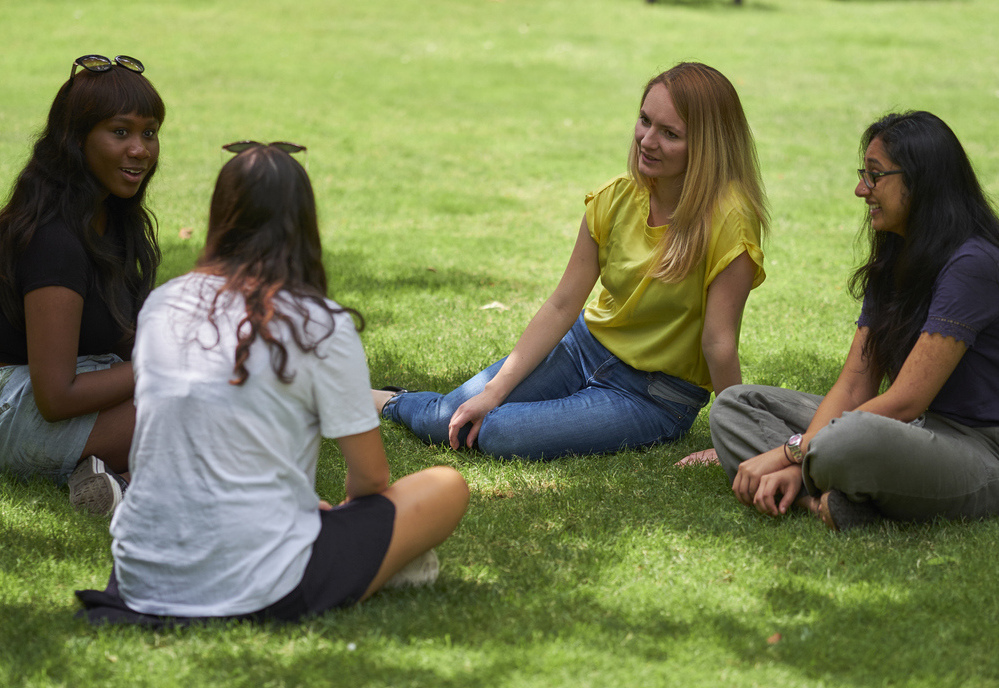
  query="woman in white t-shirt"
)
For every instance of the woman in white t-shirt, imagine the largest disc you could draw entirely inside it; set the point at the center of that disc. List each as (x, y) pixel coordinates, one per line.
(241, 367)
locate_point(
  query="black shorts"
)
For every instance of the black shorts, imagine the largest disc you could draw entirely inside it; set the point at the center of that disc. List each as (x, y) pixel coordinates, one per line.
(346, 555)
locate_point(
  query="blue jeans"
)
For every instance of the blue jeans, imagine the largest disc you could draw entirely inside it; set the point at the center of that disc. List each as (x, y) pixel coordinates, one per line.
(581, 399)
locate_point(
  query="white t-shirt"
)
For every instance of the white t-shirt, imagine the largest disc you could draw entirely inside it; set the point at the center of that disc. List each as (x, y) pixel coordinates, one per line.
(222, 512)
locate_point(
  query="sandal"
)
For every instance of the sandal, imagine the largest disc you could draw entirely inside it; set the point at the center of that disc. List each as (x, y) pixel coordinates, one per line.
(396, 390)
(839, 513)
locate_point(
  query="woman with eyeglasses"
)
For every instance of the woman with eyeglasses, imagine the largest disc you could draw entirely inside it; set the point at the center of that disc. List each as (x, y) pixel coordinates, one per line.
(910, 429)
(241, 367)
(78, 256)
(675, 245)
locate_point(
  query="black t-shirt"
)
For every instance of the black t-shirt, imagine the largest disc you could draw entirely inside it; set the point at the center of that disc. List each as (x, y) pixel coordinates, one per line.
(55, 257)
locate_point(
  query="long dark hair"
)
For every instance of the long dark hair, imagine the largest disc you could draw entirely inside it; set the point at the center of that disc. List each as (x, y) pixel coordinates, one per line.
(58, 184)
(946, 207)
(263, 238)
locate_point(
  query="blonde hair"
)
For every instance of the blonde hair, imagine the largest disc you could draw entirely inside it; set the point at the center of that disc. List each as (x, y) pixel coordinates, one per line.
(721, 155)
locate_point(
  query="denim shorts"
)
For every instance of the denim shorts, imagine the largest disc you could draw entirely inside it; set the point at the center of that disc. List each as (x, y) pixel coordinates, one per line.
(32, 445)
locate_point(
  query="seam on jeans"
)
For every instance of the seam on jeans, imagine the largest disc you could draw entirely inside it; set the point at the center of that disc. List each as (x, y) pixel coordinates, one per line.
(600, 369)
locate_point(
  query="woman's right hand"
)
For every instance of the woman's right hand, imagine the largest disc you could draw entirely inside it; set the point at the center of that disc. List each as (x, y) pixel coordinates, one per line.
(543, 333)
(751, 471)
(472, 411)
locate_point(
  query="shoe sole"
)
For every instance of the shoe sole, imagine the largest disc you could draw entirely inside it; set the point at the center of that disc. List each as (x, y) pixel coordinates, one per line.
(93, 489)
(421, 571)
(839, 513)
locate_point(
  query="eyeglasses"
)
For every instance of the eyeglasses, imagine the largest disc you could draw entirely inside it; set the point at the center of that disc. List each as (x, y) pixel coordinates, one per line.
(240, 146)
(870, 179)
(99, 63)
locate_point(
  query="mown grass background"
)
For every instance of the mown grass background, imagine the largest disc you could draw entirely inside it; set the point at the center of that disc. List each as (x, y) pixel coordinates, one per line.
(451, 143)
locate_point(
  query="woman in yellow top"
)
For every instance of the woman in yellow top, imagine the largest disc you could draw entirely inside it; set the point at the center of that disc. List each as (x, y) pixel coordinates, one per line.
(676, 246)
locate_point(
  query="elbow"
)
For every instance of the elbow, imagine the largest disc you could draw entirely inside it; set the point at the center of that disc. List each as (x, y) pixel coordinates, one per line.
(907, 412)
(379, 481)
(383, 483)
(719, 352)
(51, 410)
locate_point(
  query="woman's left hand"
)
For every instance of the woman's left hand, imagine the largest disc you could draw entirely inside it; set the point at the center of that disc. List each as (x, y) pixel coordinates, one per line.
(752, 471)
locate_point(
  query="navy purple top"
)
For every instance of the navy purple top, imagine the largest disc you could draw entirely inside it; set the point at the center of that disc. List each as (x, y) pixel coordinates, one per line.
(965, 305)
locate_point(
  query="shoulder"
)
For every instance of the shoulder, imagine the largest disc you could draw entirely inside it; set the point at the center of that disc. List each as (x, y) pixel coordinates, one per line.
(57, 236)
(978, 248)
(734, 219)
(976, 257)
(735, 228)
(620, 186)
(194, 283)
(187, 292)
(734, 203)
(619, 201)
(55, 256)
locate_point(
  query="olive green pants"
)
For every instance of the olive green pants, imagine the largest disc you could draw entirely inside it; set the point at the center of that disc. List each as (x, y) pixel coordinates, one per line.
(911, 471)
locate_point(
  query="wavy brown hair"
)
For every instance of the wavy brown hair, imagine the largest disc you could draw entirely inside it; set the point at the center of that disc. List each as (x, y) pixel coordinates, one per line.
(263, 238)
(57, 184)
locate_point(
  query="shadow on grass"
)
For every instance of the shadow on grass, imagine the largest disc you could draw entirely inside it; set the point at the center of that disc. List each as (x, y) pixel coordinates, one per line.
(618, 560)
(717, 4)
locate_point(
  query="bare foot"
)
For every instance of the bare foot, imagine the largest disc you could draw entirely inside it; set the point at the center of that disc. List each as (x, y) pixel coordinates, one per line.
(381, 398)
(707, 457)
(822, 511)
(810, 503)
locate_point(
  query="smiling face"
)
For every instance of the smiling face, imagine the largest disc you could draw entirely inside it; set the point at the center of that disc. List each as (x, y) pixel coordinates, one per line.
(121, 151)
(888, 201)
(661, 136)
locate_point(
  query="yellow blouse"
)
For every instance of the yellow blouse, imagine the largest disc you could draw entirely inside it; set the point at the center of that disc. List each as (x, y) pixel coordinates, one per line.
(648, 324)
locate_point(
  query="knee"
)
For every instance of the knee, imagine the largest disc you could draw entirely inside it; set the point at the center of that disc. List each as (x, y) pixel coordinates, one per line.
(503, 440)
(733, 402)
(844, 450)
(725, 402)
(451, 482)
(493, 438)
(451, 488)
(493, 442)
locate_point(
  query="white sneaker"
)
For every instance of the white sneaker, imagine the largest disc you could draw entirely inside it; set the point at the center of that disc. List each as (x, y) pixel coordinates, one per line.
(421, 571)
(94, 488)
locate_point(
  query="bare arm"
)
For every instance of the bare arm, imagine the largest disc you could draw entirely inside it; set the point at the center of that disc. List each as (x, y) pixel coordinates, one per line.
(855, 385)
(726, 302)
(926, 369)
(52, 322)
(545, 330)
(367, 468)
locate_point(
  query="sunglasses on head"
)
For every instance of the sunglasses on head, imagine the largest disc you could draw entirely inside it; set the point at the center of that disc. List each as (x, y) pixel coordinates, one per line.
(240, 146)
(99, 63)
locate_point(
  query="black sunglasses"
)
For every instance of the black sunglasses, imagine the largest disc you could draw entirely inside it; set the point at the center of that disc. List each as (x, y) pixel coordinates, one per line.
(99, 63)
(240, 146)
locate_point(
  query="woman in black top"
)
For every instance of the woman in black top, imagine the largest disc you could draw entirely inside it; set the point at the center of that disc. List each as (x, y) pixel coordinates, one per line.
(78, 256)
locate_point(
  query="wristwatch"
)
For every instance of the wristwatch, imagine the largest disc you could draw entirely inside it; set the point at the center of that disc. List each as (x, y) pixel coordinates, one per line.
(793, 446)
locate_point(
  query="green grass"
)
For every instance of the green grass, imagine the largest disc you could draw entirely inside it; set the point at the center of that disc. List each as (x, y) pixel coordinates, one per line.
(450, 144)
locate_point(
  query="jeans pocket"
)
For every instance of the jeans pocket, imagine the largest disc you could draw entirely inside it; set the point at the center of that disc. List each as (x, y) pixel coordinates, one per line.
(679, 398)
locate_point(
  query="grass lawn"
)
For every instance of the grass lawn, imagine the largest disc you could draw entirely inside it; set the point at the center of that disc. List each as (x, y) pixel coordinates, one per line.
(451, 143)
